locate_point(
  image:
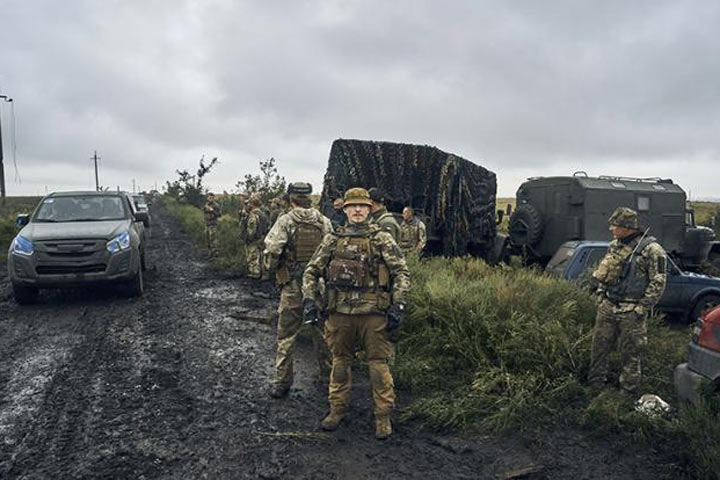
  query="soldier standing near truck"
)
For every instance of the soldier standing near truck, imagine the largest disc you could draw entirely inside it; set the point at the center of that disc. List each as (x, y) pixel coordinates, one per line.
(413, 234)
(631, 279)
(367, 281)
(211, 212)
(289, 245)
(380, 215)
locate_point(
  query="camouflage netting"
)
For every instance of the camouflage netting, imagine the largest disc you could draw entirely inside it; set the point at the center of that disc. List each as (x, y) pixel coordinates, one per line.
(455, 197)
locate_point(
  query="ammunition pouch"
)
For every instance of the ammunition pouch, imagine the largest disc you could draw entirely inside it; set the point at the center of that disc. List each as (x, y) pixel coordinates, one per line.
(346, 273)
(282, 275)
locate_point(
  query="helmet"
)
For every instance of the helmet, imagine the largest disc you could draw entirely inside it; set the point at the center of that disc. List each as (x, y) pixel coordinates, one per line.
(357, 196)
(624, 217)
(377, 195)
(299, 188)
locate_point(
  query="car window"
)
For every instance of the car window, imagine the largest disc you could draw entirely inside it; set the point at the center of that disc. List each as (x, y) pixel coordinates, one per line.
(80, 208)
(594, 257)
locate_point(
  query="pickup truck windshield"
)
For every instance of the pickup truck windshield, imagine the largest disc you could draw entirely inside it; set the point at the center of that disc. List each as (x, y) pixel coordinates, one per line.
(90, 208)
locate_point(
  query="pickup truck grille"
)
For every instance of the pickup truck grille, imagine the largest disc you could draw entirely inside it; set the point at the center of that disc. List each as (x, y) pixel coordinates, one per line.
(59, 257)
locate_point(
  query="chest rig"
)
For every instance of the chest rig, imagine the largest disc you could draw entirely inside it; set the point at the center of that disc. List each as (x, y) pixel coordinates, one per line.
(358, 279)
(409, 235)
(302, 245)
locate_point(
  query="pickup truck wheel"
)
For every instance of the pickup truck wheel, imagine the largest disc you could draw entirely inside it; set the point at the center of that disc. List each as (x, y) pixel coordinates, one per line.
(136, 286)
(704, 303)
(25, 295)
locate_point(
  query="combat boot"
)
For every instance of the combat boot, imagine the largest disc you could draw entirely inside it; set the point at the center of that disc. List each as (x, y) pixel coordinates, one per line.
(383, 427)
(278, 391)
(332, 420)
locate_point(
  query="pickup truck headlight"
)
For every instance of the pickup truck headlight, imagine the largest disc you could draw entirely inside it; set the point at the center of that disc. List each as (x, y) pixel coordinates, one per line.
(121, 242)
(22, 246)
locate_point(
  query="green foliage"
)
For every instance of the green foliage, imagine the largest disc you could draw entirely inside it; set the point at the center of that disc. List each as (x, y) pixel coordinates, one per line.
(191, 218)
(189, 188)
(269, 184)
(707, 214)
(8, 213)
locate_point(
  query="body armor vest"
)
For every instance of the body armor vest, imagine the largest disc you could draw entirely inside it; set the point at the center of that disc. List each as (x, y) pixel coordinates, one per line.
(409, 235)
(300, 249)
(631, 284)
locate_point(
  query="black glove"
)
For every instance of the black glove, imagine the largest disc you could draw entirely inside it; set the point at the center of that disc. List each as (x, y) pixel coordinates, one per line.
(310, 312)
(395, 314)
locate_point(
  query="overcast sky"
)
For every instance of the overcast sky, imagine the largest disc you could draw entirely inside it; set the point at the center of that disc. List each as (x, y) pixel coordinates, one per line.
(523, 88)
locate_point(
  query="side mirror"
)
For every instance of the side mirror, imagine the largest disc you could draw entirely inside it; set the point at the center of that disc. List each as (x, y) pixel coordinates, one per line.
(22, 220)
(142, 217)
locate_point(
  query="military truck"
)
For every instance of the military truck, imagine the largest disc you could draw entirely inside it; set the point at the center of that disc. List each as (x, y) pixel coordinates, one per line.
(453, 196)
(553, 210)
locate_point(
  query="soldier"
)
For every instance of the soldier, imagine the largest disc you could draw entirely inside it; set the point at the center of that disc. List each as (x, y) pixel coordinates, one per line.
(413, 234)
(242, 214)
(255, 233)
(290, 244)
(380, 215)
(212, 213)
(631, 279)
(367, 281)
(338, 216)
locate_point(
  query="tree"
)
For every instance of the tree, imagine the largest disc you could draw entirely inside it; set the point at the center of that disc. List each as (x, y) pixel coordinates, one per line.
(269, 184)
(189, 188)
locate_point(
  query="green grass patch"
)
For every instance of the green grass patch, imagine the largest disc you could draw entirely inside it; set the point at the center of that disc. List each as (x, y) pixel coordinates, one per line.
(8, 213)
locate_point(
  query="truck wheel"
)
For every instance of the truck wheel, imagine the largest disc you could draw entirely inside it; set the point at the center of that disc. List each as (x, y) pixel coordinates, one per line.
(136, 286)
(705, 302)
(525, 226)
(25, 295)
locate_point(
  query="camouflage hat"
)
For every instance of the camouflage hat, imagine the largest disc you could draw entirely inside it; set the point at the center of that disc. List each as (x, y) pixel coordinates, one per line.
(357, 196)
(299, 188)
(624, 217)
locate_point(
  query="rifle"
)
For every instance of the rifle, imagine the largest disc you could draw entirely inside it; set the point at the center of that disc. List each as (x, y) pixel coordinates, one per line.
(628, 262)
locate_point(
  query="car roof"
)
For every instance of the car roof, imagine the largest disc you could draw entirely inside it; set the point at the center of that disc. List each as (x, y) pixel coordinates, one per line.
(84, 193)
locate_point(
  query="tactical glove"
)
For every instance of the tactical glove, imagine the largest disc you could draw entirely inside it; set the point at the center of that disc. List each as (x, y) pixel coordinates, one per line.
(310, 312)
(395, 314)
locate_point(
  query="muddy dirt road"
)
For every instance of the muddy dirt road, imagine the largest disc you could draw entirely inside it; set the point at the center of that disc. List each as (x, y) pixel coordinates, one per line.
(172, 385)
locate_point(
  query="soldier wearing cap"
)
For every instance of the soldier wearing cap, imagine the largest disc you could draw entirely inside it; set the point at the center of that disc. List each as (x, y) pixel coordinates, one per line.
(380, 214)
(211, 212)
(367, 282)
(289, 245)
(631, 279)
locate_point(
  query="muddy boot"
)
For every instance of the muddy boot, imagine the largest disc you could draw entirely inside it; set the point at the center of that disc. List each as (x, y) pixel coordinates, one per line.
(278, 391)
(383, 427)
(332, 420)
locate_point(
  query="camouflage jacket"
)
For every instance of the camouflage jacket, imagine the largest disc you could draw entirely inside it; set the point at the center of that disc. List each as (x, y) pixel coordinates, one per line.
(650, 267)
(255, 226)
(277, 240)
(387, 222)
(212, 213)
(413, 235)
(366, 300)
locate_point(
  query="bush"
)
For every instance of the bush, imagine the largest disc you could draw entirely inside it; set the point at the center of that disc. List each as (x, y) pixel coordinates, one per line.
(8, 230)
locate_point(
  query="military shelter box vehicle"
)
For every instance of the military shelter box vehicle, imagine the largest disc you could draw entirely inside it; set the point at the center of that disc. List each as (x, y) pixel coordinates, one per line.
(453, 197)
(554, 210)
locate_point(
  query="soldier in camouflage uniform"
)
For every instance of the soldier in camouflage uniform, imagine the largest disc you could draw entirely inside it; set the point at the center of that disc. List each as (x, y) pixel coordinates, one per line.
(367, 282)
(289, 245)
(242, 215)
(255, 233)
(631, 279)
(413, 234)
(212, 213)
(338, 218)
(380, 215)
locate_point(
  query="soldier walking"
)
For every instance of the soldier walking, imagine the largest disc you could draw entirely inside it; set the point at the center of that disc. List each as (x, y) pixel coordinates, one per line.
(380, 215)
(367, 281)
(631, 278)
(211, 212)
(289, 245)
(413, 234)
(256, 227)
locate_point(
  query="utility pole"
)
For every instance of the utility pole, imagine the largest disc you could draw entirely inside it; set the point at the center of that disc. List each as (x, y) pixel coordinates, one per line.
(3, 193)
(97, 179)
(133, 185)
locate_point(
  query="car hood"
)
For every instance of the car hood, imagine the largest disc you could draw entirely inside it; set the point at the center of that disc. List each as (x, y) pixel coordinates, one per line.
(74, 230)
(700, 278)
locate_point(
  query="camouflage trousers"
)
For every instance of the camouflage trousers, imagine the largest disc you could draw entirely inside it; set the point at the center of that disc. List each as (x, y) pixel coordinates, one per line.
(343, 333)
(629, 331)
(253, 257)
(290, 322)
(211, 239)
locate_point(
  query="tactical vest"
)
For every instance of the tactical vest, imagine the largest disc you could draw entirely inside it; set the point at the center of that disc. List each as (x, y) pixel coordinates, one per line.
(262, 227)
(631, 284)
(409, 235)
(300, 248)
(358, 279)
(211, 214)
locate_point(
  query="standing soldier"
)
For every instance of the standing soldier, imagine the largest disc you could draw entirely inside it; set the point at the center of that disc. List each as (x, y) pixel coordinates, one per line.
(212, 213)
(338, 216)
(255, 233)
(380, 215)
(288, 247)
(367, 281)
(413, 234)
(631, 279)
(242, 214)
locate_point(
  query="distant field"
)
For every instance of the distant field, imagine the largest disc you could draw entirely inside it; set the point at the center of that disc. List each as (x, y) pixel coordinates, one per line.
(15, 205)
(705, 212)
